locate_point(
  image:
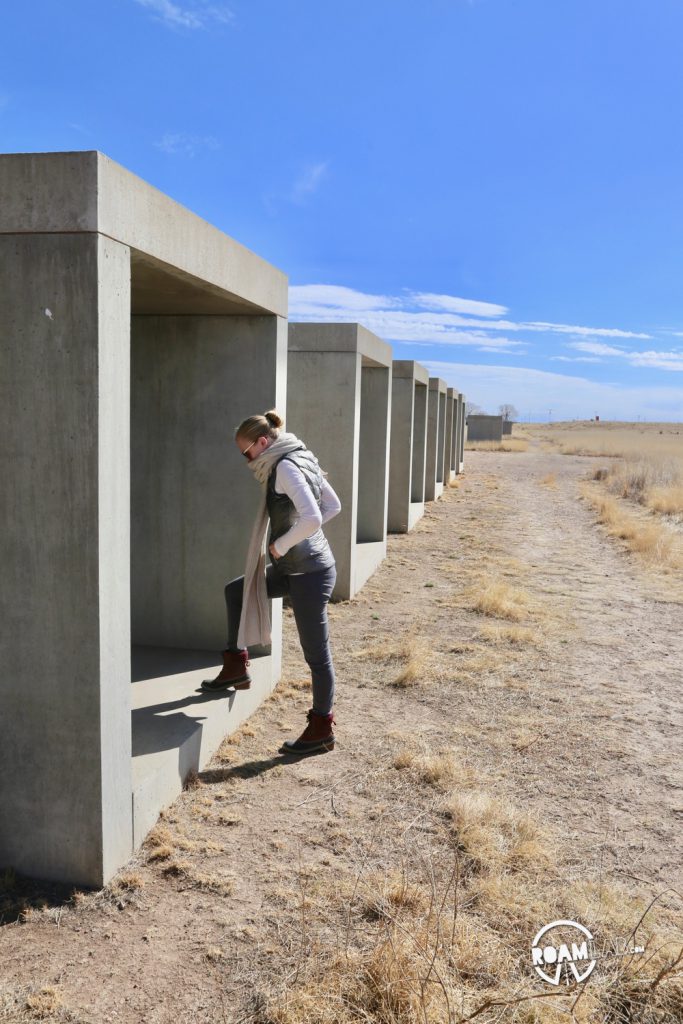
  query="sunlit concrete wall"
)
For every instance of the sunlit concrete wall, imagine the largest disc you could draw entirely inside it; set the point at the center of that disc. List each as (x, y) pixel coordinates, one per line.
(339, 404)
(436, 439)
(83, 245)
(410, 386)
(462, 432)
(451, 457)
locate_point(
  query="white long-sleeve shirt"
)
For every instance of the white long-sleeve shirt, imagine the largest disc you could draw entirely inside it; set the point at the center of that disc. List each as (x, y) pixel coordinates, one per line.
(291, 481)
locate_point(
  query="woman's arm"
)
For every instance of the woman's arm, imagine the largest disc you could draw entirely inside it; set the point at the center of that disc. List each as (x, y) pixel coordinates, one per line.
(330, 503)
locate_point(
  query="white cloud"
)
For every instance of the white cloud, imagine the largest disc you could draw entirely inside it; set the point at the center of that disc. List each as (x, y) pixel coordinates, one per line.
(199, 15)
(535, 392)
(672, 360)
(186, 145)
(435, 319)
(660, 360)
(452, 304)
(577, 359)
(597, 348)
(395, 318)
(397, 325)
(536, 326)
(598, 332)
(335, 296)
(307, 182)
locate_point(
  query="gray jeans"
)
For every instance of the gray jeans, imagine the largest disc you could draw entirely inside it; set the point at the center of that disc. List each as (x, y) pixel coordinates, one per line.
(309, 594)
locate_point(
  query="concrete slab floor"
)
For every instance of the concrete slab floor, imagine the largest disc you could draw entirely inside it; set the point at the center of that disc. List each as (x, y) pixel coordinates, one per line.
(176, 727)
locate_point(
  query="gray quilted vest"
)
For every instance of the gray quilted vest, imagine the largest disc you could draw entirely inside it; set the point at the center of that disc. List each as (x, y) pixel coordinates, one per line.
(313, 553)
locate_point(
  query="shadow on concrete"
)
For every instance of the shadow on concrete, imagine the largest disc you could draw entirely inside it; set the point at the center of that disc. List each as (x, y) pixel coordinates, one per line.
(154, 729)
(157, 662)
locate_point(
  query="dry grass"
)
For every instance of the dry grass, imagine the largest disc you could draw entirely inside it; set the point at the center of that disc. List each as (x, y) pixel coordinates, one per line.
(656, 482)
(500, 600)
(24, 1005)
(514, 635)
(659, 546)
(509, 444)
(411, 651)
(494, 836)
(187, 876)
(667, 500)
(441, 933)
(640, 498)
(616, 439)
(549, 480)
(443, 770)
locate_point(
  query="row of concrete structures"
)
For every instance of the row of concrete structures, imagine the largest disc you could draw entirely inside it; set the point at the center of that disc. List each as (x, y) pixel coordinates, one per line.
(135, 336)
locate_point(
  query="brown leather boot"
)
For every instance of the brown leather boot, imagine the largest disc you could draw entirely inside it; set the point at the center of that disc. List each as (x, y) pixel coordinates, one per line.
(233, 674)
(317, 735)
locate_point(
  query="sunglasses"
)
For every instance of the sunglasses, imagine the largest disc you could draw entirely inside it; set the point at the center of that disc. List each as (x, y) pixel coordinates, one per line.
(250, 446)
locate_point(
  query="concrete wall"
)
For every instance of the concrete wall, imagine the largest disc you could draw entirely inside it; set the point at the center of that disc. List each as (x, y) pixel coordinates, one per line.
(83, 790)
(65, 683)
(484, 428)
(451, 461)
(373, 455)
(462, 432)
(408, 452)
(339, 404)
(193, 379)
(419, 449)
(436, 439)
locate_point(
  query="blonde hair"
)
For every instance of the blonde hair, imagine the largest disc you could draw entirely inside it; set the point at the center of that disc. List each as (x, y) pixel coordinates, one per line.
(266, 424)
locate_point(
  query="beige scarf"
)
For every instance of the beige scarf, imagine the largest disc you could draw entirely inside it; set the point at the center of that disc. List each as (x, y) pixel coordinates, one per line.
(255, 619)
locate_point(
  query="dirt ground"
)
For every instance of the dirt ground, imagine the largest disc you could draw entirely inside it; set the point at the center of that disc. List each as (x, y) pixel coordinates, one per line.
(576, 720)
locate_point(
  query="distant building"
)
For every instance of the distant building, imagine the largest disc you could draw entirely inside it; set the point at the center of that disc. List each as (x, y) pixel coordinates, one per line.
(484, 428)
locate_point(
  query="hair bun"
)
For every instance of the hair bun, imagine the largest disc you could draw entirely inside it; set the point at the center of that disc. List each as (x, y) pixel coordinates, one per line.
(274, 417)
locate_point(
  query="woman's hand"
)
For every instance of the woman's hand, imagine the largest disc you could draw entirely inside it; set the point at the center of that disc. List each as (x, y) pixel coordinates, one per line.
(273, 552)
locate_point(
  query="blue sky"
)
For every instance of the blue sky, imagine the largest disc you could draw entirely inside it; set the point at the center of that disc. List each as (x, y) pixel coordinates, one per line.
(495, 187)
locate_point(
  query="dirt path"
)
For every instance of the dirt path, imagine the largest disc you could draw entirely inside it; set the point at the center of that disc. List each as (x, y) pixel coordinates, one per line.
(617, 679)
(581, 725)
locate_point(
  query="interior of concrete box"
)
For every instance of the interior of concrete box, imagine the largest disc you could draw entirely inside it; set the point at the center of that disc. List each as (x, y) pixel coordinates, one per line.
(190, 344)
(441, 450)
(417, 475)
(372, 454)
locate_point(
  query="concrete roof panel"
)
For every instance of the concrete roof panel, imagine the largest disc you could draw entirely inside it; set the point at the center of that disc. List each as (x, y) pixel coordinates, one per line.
(339, 337)
(88, 192)
(409, 368)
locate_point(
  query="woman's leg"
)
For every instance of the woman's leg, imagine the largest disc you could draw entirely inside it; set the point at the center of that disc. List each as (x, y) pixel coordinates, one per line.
(276, 586)
(310, 593)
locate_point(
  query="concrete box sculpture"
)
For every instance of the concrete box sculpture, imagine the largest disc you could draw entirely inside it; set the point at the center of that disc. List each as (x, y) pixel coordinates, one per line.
(409, 392)
(339, 403)
(462, 431)
(436, 439)
(484, 428)
(451, 460)
(135, 337)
